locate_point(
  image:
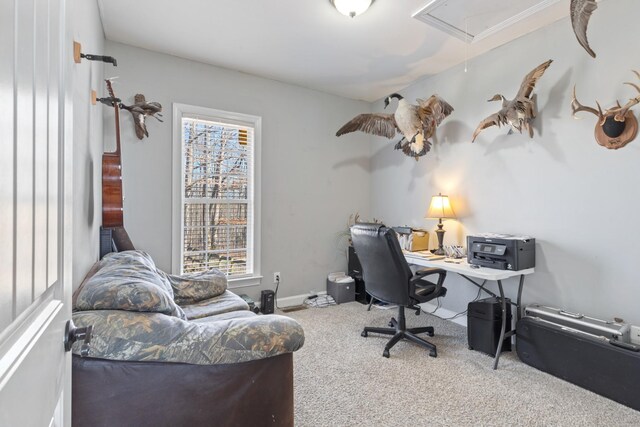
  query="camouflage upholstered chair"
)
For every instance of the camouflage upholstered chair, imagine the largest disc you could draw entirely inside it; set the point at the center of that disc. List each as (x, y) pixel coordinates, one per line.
(177, 350)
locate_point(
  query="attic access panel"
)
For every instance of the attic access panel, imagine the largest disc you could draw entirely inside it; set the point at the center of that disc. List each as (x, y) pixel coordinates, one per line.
(473, 20)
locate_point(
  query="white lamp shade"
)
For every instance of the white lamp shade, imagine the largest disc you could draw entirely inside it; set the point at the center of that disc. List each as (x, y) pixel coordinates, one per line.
(351, 7)
(440, 207)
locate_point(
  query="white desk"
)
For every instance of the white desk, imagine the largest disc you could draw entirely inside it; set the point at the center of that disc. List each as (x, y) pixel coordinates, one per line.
(486, 275)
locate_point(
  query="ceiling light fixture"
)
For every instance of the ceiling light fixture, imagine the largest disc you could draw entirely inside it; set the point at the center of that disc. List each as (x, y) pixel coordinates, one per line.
(351, 7)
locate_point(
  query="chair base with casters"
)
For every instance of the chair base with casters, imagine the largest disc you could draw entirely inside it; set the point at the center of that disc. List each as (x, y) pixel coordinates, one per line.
(399, 331)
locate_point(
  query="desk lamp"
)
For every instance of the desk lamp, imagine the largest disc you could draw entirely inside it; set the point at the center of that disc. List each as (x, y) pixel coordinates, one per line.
(438, 209)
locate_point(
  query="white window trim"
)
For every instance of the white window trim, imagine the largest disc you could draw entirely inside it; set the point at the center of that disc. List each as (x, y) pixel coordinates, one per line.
(177, 179)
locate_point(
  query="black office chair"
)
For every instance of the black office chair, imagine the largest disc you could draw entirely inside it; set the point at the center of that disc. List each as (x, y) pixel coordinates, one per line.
(388, 278)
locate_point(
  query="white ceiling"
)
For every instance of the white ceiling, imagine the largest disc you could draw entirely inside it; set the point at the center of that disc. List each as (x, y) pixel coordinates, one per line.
(307, 42)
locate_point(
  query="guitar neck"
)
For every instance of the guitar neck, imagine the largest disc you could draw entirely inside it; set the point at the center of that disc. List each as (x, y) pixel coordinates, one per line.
(117, 114)
(116, 108)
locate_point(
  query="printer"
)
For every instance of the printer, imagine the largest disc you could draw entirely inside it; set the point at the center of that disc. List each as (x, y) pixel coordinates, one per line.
(501, 251)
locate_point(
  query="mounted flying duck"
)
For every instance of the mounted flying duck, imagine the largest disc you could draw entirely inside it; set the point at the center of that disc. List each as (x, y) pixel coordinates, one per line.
(521, 110)
(416, 123)
(140, 110)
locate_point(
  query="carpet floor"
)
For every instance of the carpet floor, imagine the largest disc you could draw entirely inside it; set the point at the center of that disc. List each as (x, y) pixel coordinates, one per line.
(341, 379)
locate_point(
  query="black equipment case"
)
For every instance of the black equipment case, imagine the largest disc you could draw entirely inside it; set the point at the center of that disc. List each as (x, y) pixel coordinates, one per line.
(608, 329)
(607, 367)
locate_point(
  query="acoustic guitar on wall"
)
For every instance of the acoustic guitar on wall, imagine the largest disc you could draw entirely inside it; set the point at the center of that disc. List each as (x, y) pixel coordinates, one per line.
(112, 200)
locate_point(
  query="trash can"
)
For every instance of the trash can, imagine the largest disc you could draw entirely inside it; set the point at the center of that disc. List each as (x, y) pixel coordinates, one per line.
(484, 320)
(341, 287)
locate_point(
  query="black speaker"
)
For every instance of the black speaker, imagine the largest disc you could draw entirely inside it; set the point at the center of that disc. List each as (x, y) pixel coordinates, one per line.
(484, 320)
(355, 271)
(267, 300)
(355, 268)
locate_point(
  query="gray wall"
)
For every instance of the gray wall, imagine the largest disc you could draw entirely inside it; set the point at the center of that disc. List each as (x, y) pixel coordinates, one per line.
(311, 180)
(578, 199)
(87, 139)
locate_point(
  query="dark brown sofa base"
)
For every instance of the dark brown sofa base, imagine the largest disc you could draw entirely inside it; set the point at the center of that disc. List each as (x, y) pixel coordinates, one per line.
(116, 393)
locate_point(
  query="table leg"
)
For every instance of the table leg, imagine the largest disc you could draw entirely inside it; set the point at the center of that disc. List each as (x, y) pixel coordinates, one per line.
(518, 303)
(503, 304)
(370, 302)
(480, 285)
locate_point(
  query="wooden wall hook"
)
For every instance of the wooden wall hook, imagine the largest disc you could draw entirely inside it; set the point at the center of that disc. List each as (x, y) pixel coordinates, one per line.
(78, 55)
(77, 52)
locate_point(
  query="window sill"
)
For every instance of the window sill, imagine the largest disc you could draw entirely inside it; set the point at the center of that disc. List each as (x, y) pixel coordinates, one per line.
(244, 282)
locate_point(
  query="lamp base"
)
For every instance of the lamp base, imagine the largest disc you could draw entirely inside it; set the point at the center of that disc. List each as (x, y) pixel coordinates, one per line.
(440, 234)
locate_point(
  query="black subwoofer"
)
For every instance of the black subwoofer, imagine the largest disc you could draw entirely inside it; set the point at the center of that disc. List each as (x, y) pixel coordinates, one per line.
(267, 302)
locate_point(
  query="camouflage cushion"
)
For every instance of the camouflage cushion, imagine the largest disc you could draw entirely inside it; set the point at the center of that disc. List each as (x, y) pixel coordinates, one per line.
(224, 303)
(194, 287)
(243, 314)
(138, 263)
(131, 336)
(127, 281)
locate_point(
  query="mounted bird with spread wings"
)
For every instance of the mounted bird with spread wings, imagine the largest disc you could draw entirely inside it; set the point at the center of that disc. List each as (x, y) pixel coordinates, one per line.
(416, 123)
(521, 110)
(140, 110)
(581, 11)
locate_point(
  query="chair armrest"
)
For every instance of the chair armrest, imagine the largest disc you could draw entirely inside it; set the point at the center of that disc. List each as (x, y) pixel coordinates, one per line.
(421, 274)
(428, 271)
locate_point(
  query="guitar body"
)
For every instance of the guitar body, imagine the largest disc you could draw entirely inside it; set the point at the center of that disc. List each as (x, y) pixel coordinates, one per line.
(112, 206)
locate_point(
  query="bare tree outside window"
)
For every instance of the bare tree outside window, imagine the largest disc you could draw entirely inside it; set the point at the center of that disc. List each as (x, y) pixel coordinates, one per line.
(217, 201)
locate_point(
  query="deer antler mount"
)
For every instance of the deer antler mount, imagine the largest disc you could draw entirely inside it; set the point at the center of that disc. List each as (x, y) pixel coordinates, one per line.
(617, 126)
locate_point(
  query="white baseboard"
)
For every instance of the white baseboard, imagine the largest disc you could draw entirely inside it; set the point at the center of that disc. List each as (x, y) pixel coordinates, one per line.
(427, 306)
(443, 312)
(296, 299)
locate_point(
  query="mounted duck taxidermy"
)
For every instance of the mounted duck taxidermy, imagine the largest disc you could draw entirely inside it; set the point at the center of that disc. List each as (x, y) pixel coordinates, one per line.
(617, 126)
(521, 110)
(416, 123)
(140, 110)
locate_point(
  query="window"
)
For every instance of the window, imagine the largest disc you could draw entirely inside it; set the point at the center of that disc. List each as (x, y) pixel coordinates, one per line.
(216, 206)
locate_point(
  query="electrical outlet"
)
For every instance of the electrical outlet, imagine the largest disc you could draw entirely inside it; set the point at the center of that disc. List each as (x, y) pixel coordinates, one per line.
(276, 277)
(635, 335)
